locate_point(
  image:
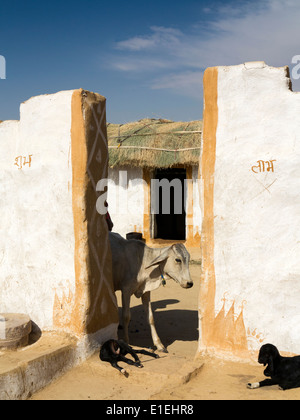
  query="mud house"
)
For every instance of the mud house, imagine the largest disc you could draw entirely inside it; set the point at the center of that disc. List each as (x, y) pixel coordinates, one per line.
(53, 243)
(153, 179)
(251, 209)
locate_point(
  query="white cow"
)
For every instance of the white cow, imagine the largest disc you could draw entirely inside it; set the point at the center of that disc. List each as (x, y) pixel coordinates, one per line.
(138, 269)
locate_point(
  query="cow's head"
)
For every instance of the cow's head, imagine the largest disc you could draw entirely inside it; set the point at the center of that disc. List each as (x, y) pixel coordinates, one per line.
(174, 262)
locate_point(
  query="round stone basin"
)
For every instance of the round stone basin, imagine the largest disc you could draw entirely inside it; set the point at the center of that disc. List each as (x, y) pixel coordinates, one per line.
(14, 330)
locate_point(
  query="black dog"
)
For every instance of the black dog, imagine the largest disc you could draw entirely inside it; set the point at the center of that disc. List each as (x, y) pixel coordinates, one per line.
(283, 371)
(114, 351)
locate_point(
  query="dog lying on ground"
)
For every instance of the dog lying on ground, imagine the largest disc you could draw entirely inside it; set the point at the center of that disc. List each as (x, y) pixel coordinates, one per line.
(283, 371)
(114, 351)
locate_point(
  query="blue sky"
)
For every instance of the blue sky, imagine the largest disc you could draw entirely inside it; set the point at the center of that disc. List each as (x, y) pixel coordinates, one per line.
(146, 57)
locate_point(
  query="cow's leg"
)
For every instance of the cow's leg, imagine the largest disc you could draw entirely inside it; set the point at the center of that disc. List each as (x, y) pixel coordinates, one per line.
(126, 313)
(155, 338)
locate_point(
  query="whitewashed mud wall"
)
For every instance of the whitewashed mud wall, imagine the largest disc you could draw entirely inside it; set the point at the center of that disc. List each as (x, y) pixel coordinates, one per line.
(129, 200)
(54, 253)
(126, 199)
(251, 204)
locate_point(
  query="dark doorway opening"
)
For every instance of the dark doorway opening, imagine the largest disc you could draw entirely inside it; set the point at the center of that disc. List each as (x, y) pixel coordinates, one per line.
(172, 225)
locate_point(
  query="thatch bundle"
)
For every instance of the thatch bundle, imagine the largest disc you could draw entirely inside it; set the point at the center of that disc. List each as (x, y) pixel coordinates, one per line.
(154, 143)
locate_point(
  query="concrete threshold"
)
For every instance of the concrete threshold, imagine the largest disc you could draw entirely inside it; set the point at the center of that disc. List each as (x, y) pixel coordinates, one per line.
(180, 376)
(27, 370)
(162, 376)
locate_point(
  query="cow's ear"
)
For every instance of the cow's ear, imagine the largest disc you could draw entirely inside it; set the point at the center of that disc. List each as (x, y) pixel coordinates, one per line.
(161, 258)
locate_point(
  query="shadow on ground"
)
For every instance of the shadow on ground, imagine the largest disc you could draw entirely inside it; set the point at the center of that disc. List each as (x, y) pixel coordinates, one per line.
(171, 324)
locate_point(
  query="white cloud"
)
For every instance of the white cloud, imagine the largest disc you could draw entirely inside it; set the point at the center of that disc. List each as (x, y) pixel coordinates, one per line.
(136, 44)
(160, 37)
(248, 31)
(143, 64)
(189, 82)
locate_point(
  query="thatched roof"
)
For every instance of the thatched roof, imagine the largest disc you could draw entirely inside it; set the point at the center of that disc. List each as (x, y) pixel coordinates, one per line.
(154, 143)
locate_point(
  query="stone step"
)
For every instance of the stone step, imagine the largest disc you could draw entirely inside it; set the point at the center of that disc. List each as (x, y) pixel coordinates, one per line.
(27, 370)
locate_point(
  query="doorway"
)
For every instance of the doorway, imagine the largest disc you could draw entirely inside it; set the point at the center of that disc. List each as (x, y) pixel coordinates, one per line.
(170, 217)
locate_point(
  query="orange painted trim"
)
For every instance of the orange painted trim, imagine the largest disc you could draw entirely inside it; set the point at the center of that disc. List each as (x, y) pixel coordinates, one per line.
(79, 181)
(93, 306)
(191, 241)
(69, 312)
(147, 175)
(207, 164)
(221, 331)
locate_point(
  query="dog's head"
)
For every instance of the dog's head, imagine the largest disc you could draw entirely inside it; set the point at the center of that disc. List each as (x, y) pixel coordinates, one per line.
(268, 354)
(114, 346)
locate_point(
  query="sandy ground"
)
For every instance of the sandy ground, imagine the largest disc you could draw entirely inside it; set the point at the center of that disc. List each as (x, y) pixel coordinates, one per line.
(176, 320)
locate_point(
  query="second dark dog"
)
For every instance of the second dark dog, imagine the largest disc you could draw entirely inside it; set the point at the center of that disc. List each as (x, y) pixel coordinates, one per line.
(114, 351)
(283, 371)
